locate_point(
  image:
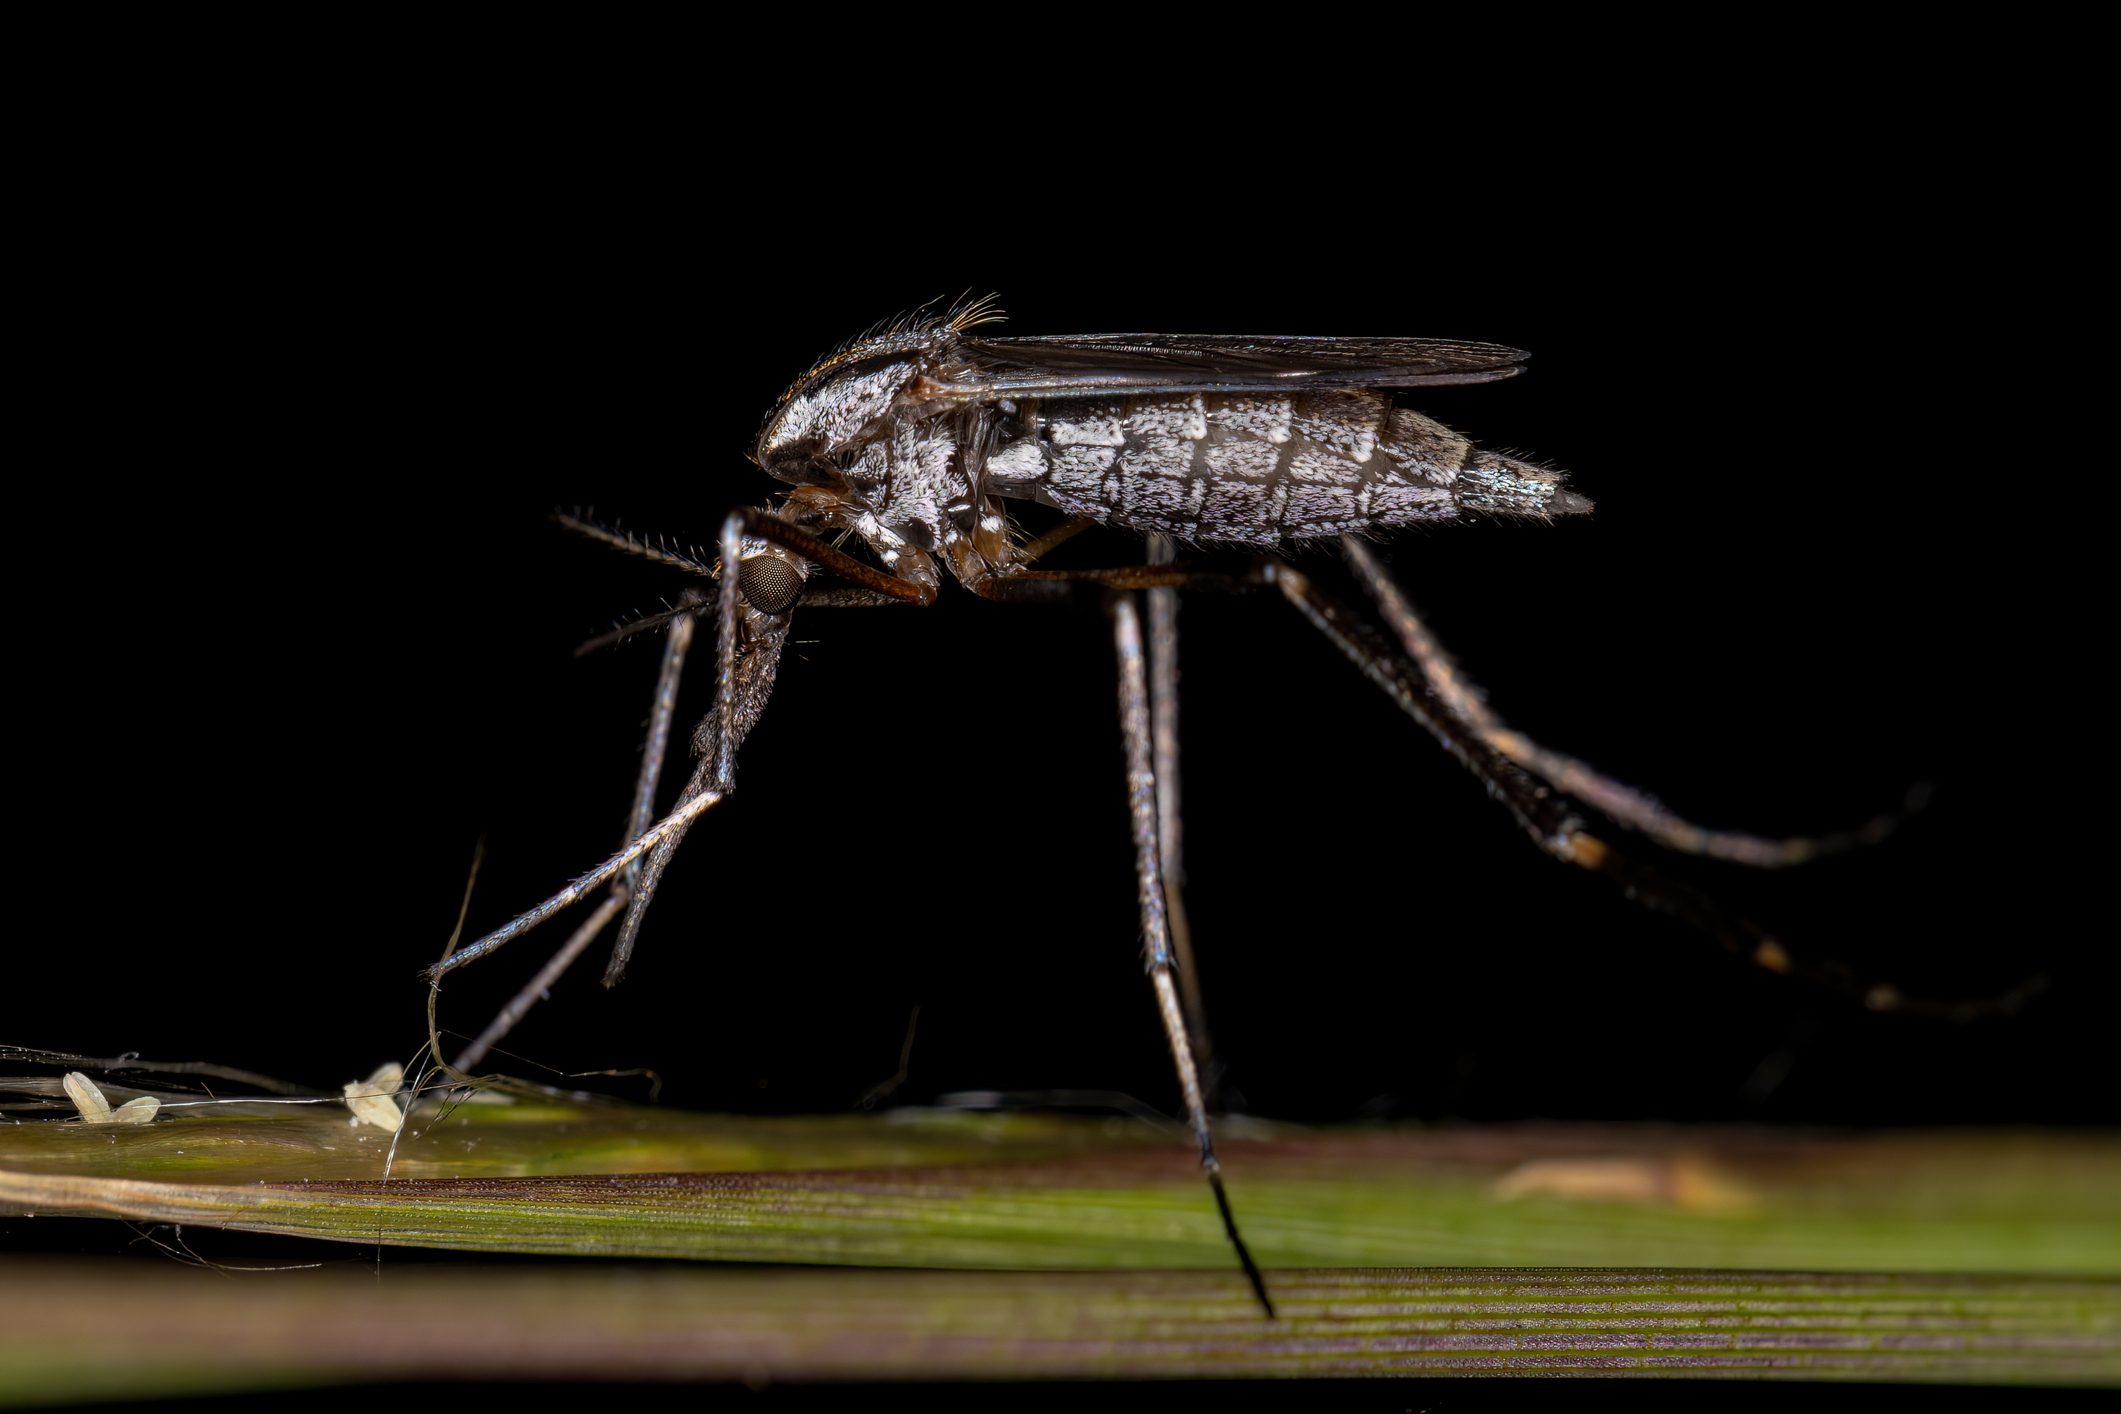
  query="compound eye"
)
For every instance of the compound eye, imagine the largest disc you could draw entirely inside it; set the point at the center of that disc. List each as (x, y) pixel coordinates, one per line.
(769, 583)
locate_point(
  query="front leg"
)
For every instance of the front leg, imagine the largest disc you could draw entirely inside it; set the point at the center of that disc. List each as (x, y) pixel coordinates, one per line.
(772, 560)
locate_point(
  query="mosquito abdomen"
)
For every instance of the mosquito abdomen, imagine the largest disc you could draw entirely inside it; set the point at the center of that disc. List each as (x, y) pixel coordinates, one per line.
(1260, 470)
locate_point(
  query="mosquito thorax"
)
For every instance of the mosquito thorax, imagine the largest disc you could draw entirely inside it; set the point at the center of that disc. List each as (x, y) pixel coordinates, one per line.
(829, 410)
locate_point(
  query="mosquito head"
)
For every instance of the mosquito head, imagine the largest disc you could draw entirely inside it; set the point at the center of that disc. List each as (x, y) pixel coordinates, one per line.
(769, 583)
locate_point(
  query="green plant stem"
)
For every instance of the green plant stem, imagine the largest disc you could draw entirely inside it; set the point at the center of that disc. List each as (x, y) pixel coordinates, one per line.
(1967, 1256)
(1025, 1191)
(82, 1330)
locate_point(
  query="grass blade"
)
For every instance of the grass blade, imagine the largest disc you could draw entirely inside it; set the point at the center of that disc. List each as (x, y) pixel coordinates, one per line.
(1965, 1256)
(82, 1330)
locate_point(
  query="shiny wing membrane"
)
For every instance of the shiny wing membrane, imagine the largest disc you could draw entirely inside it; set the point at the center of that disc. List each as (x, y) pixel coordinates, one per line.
(1091, 365)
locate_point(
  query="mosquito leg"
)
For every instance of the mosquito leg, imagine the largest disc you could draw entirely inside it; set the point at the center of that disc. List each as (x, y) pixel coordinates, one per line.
(1617, 800)
(884, 1088)
(676, 822)
(535, 989)
(718, 737)
(755, 594)
(741, 683)
(1546, 814)
(650, 877)
(642, 837)
(846, 596)
(1162, 579)
(748, 602)
(660, 717)
(726, 619)
(771, 631)
(1163, 715)
(1034, 550)
(1054, 586)
(750, 520)
(643, 816)
(752, 616)
(1156, 942)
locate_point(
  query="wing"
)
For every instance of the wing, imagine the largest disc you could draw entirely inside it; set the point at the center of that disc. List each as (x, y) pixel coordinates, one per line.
(1089, 365)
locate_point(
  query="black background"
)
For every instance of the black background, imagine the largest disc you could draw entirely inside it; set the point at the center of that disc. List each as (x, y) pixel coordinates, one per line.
(292, 631)
(306, 636)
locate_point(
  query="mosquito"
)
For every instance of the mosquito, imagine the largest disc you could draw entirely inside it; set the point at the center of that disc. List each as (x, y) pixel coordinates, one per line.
(911, 439)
